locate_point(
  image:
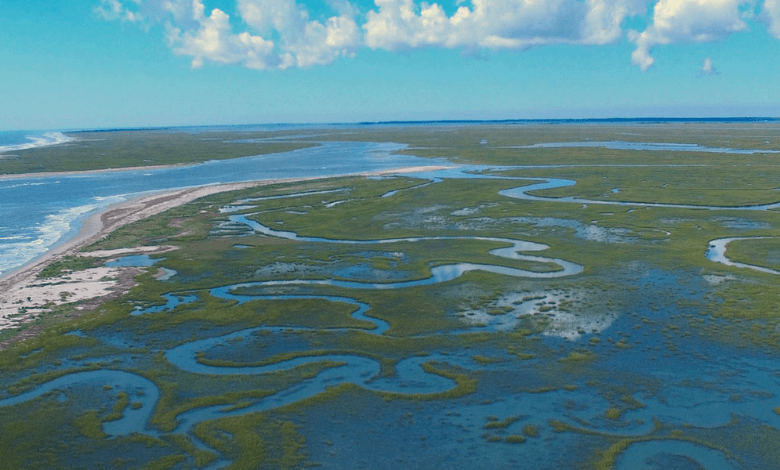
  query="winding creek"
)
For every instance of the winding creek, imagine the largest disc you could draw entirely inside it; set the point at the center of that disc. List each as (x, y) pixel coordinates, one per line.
(716, 251)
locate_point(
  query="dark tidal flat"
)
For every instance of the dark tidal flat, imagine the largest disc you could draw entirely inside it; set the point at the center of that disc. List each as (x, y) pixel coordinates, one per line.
(534, 306)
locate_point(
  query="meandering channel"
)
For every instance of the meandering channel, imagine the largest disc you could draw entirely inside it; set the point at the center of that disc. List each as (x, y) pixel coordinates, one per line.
(716, 251)
(438, 273)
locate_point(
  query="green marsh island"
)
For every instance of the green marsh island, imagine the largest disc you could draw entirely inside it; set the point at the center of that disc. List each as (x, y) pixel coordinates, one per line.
(593, 296)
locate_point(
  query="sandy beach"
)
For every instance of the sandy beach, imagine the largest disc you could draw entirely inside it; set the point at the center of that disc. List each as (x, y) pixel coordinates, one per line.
(23, 296)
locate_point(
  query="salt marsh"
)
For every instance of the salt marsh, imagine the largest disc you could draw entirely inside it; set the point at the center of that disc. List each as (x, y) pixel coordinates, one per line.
(484, 314)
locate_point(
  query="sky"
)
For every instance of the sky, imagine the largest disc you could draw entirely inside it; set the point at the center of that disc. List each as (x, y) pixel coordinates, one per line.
(74, 64)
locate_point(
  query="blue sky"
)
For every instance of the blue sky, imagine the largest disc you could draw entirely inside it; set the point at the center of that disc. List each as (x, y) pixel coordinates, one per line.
(124, 63)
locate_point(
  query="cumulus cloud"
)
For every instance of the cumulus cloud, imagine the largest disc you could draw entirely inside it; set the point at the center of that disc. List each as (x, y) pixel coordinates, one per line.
(214, 41)
(306, 42)
(677, 21)
(497, 24)
(279, 34)
(298, 41)
(771, 15)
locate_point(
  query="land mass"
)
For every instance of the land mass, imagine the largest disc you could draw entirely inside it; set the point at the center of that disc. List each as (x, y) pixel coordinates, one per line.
(25, 295)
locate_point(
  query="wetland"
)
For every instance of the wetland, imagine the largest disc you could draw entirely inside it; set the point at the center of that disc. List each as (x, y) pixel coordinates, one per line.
(549, 296)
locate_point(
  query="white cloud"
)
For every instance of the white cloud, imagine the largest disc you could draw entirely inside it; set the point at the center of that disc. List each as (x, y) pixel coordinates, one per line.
(211, 38)
(497, 24)
(677, 21)
(707, 68)
(308, 42)
(771, 15)
(214, 41)
(114, 10)
(267, 34)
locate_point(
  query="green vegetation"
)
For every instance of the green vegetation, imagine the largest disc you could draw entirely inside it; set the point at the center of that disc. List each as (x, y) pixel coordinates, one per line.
(255, 442)
(122, 402)
(90, 425)
(501, 424)
(763, 252)
(613, 413)
(125, 149)
(67, 264)
(529, 430)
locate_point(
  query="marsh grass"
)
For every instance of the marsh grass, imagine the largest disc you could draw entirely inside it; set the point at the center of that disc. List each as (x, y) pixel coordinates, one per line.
(123, 149)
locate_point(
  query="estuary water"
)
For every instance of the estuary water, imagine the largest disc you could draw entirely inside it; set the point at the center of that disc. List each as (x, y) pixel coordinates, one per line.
(38, 212)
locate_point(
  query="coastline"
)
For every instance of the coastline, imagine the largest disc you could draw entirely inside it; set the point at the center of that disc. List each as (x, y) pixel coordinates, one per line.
(16, 284)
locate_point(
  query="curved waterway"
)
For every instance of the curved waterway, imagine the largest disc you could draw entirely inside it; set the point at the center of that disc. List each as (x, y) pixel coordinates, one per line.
(140, 390)
(540, 184)
(409, 379)
(716, 251)
(649, 455)
(651, 146)
(522, 193)
(438, 273)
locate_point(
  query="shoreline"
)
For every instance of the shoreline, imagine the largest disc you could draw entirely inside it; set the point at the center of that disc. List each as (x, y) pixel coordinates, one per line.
(100, 224)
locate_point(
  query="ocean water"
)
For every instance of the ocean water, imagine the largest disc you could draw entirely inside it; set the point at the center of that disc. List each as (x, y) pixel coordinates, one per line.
(19, 140)
(38, 213)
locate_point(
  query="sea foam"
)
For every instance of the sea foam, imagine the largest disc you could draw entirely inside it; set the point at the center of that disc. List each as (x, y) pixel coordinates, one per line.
(45, 140)
(41, 238)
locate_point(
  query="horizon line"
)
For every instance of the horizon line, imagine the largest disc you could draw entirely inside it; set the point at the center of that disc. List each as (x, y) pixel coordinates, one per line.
(658, 119)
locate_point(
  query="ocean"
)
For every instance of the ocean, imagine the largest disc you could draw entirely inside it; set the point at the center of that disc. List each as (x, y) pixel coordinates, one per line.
(19, 140)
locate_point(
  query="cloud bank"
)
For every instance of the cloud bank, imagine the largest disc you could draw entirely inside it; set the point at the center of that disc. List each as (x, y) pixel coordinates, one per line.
(279, 34)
